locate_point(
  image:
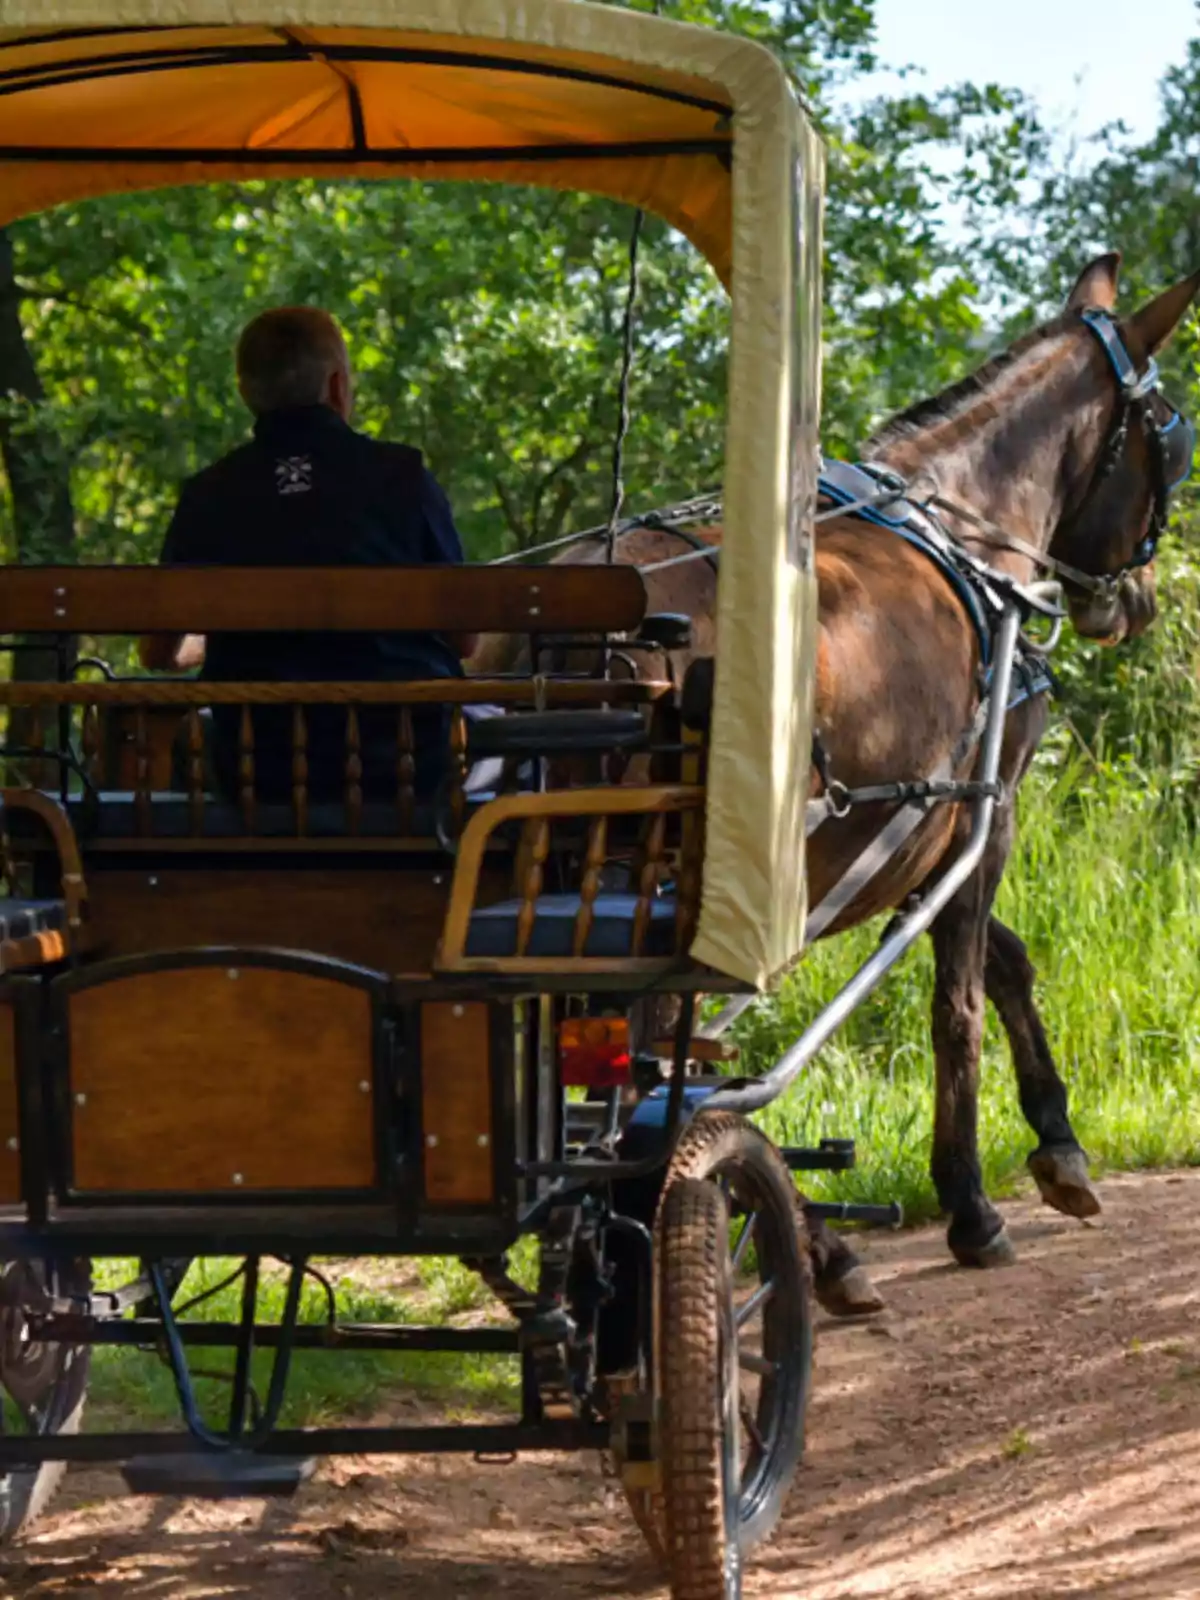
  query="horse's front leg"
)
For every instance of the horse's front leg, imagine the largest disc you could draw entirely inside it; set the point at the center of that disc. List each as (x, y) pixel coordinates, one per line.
(1059, 1165)
(977, 1234)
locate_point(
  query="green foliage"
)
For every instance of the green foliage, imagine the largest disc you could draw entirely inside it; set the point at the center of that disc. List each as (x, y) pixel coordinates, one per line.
(485, 321)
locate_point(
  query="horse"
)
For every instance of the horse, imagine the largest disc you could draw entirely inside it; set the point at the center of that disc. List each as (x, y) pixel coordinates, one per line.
(1051, 457)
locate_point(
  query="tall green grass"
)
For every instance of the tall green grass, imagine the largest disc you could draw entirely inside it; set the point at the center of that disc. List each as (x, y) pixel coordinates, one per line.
(1103, 887)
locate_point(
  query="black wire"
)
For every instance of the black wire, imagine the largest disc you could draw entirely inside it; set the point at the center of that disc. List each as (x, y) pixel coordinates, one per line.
(623, 416)
(207, 1294)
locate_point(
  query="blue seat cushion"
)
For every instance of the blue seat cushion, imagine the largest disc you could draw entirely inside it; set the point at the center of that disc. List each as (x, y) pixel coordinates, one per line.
(20, 919)
(493, 930)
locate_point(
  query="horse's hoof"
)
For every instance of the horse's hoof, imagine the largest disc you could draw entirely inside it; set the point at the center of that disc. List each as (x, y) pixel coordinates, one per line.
(1062, 1177)
(851, 1295)
(997, 1252)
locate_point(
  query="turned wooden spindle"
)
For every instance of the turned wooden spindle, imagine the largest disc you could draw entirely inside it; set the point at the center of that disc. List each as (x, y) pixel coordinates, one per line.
(593, 868)
(649, 877)
(300, 770)
(8, 864)
(38, 775)
(354, 772)
(246, 768)
(90, 745)
(458, 768)
(689, 879)
(141, 773)
(406, 772)
(195, 772)
(538, 848)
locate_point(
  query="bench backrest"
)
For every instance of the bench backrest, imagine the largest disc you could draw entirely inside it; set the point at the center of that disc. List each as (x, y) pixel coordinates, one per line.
(471, 599)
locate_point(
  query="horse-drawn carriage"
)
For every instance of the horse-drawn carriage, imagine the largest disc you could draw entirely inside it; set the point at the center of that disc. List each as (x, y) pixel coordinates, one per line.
(361, 1022)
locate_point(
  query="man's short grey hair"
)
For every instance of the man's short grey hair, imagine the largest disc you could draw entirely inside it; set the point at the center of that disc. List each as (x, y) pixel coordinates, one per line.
(287, 357)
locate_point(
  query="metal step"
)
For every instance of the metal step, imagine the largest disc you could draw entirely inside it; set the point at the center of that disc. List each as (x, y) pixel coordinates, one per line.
(218, 1474)
(831, 1155)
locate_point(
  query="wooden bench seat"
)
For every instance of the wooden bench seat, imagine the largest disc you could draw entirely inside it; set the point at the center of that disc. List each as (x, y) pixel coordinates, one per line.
(610, 933)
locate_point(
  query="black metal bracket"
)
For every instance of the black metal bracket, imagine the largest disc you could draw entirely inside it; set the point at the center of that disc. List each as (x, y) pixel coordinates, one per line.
(249, 1424)
(889, 1216)
(831, 1155)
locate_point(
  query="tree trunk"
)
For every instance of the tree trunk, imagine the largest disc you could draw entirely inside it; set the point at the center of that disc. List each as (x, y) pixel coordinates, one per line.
(39, 484)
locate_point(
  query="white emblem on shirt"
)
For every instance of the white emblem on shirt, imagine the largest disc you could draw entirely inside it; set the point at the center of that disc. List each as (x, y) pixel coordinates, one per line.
(294, 474)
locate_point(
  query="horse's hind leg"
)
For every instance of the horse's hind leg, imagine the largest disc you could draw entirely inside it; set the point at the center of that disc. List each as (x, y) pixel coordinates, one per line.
(977, 1235)
(841, 1283)
(1058, 1165)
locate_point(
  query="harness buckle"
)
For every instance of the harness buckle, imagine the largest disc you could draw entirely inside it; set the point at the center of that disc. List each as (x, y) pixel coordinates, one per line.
(838, 799)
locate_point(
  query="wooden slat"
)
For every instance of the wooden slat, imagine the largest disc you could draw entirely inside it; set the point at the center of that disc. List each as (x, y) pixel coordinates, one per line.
(162, 692)
(10, 1155)
(456, 1104)
(475, 599)
(211, 1080)
(507, 808)
(386, 918)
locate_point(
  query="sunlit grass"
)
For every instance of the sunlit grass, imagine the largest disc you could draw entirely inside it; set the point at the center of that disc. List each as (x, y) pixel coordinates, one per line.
(1104, 890)
(132, 1387)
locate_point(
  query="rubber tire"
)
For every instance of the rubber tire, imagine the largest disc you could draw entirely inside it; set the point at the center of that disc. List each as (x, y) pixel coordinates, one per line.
(711, 1145)
(26, 1493)
(695, 1336)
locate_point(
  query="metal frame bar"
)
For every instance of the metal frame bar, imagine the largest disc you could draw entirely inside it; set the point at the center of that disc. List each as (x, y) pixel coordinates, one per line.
(291, 48)
(446, 1438)
(113, 1329)
(416, 156)
(909, 927)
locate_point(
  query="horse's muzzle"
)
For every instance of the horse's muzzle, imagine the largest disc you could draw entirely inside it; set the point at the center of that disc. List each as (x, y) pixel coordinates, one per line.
(1125, 614)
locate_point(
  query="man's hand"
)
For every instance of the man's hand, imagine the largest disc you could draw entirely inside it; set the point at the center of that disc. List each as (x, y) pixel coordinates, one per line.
(172, 652)
(465, 644)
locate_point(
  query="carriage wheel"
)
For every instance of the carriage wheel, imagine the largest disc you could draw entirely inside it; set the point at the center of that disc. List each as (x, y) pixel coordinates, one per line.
(42, 1386)
(735, 1362)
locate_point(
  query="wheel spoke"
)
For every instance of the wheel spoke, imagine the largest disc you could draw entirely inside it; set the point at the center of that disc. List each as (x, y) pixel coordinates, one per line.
(755, 1303)
(759, 1365)
(750, 1423)
(744, 1238)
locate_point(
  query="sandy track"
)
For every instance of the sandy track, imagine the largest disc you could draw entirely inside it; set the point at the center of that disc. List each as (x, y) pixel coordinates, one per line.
(1032, 1432)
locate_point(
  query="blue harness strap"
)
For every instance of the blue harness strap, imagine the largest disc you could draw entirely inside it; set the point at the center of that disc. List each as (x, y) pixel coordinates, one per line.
(845, 484)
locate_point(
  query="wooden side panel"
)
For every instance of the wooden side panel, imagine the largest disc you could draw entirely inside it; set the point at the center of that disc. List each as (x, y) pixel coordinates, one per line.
(388, 920)
(207, 1079)
(10, 1157)
(475, 599)
(456, 1104)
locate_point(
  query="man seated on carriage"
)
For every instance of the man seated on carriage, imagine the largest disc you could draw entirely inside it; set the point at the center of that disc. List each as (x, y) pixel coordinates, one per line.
(308, 490)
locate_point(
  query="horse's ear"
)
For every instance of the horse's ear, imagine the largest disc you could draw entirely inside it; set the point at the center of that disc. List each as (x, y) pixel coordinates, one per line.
(1096, 285)
(1154, 324)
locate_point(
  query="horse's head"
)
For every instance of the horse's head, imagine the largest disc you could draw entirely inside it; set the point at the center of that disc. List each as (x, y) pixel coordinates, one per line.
(1132, 450)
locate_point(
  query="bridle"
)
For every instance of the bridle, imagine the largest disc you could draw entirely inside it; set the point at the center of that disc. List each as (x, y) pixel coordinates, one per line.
(1171, 444)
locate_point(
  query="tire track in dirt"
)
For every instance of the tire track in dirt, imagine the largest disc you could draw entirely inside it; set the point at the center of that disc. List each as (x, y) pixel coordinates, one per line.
(1033, 1432)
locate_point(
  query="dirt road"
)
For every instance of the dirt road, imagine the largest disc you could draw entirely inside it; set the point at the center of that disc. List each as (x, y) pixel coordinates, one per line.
(1033, 1432)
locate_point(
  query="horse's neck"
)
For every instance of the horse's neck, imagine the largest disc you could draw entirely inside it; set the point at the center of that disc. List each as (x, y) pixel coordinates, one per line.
(1008, 455)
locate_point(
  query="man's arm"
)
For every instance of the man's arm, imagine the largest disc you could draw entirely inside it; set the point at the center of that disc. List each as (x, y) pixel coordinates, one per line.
(175, 652)
(172, 652)
(442, 546)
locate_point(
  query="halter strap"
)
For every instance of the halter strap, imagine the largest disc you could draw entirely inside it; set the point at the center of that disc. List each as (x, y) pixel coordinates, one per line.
(1104, 326)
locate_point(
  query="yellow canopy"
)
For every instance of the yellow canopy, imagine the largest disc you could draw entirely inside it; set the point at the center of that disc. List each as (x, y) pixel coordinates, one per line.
(170, 98)
(100, 96)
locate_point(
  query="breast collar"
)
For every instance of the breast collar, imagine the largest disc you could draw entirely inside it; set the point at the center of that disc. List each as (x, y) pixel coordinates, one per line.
(982, 592)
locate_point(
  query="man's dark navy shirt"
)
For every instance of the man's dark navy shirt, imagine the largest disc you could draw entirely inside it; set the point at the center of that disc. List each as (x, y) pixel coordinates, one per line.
(309, 491)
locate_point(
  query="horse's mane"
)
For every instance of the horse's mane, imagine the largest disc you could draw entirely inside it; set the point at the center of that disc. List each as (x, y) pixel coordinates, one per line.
(952, 402)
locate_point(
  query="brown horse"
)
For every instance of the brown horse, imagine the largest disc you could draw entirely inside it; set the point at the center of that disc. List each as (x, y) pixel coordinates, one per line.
(1044, 444)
